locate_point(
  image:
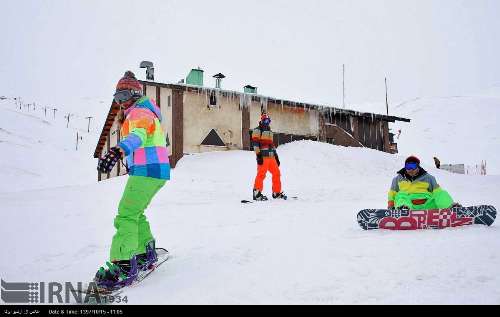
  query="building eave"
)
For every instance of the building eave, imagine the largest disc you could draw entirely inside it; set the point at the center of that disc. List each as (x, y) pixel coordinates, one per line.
(110, 119)
(284, 102)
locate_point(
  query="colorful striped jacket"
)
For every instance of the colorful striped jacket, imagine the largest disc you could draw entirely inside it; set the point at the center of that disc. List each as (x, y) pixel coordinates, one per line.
(422, 185)
(262, 142)
(144, 142)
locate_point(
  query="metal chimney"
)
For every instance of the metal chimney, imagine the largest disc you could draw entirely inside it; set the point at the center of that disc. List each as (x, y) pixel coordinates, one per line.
(150, 70)
(218, 80)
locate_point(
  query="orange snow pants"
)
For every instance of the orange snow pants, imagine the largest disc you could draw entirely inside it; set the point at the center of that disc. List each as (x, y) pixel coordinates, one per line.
(269, 165)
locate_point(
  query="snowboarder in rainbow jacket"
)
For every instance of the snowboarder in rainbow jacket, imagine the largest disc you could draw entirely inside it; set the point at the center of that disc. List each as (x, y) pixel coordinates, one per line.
(144, 146)
(267, 160)
(415, 189)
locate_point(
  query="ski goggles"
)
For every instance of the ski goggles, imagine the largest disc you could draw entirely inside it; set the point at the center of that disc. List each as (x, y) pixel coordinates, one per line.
(122, 96)
(411, 166)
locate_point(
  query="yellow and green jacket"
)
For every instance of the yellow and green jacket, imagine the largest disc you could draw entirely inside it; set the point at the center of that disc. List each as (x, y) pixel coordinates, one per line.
(417, 191)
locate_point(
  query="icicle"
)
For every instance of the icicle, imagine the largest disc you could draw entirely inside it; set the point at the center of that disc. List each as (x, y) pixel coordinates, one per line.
(263, 103)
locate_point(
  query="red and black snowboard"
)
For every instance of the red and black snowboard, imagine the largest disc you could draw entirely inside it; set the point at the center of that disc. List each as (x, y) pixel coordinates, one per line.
(372, 219)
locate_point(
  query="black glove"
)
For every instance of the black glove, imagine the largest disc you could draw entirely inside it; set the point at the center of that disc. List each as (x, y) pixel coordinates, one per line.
(260, 159)
(106, 164)
(277, 159)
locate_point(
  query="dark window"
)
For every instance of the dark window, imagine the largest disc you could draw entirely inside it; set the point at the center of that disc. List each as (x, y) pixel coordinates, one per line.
(213, 99)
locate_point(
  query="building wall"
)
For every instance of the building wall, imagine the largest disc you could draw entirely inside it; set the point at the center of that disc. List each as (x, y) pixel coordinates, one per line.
(337, 133)
(151, 91)
(165, 99)
(287, 120)
(112, 141)
(371, 133)
(385, 137)
(177, 126)
(199, 120)
(255, 112)
(338, 136)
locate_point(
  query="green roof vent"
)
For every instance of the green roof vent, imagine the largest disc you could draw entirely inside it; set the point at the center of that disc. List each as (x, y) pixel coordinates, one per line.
(195, 77)
(248, 89)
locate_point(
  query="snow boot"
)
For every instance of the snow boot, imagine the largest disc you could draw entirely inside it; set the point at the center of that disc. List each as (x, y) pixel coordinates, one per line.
(146, 261)
(117, 275)
(257, 195)
(280, 196)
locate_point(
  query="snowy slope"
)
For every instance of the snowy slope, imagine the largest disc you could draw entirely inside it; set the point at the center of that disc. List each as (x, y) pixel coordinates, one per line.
(309, 251)
(39, 151)
(456, 129)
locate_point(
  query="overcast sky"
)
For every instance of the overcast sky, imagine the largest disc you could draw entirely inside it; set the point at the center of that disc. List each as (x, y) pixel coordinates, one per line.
(57, 50)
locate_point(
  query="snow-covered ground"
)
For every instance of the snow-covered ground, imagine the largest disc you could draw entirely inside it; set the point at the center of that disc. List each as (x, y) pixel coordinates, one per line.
(57, 224)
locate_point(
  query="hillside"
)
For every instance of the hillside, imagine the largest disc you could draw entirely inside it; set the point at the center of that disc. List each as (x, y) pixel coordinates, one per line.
(40, 151)
(457, 129)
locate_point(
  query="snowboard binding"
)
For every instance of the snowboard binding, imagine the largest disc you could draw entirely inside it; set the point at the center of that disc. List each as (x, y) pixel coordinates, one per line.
(118, 274)
(258, 196)
(147, 261)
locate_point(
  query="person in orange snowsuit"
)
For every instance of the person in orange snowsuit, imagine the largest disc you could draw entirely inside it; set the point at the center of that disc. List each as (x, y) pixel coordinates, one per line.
(267, 160)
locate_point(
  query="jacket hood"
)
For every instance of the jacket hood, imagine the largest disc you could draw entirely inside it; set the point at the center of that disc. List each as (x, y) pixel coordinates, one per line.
(148, 103)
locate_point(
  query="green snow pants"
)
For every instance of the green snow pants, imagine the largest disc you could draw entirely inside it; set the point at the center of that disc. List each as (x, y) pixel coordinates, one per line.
(439, 200)
(132, 229)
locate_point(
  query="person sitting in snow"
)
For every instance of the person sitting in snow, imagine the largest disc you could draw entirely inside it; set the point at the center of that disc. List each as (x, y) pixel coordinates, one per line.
(413, 188)
(267, 159)
(144, 146)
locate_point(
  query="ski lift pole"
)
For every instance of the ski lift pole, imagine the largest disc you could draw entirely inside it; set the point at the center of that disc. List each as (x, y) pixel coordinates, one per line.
(78, 138)
(88, 128)
(67, 117)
